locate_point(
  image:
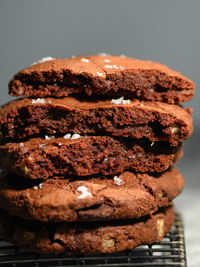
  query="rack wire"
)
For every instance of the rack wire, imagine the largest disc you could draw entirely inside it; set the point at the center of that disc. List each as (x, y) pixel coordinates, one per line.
(169, 252)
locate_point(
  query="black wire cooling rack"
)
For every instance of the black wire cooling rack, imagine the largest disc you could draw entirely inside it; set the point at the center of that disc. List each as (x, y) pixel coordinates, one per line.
(169, 252)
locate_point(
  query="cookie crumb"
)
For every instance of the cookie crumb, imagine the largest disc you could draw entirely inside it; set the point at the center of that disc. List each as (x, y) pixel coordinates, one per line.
(38, 101)
(118, 181)
(120, 101)
(44, 59)
(85, 60)
(84, 192)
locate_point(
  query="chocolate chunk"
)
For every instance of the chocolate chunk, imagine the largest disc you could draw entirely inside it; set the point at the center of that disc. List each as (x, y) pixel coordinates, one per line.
(90, 237)
(94, 199)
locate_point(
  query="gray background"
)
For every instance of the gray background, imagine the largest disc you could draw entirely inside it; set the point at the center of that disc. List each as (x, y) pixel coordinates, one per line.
(165, 31)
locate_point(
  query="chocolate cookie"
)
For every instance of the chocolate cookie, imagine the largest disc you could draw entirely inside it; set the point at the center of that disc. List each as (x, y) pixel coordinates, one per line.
(136, 119)
(128, 195)
(83, 156)
(109, 76)
(89, 237)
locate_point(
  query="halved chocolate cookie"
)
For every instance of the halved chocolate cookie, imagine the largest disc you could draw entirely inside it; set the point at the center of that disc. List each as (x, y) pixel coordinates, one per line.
(128, 195)
(83, 156)
(154, 120)
(87, 237)
(110, 76)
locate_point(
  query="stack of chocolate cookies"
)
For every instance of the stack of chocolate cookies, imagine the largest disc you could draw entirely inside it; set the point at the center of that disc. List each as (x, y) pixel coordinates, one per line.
(88, 153)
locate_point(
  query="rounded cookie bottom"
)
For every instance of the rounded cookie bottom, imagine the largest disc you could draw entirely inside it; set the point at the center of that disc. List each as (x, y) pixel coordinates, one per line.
(95, 237)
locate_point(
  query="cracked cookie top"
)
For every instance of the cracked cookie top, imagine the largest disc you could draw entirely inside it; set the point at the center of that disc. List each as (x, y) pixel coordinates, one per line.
(102, 75)
(155, 121)
(128, 195)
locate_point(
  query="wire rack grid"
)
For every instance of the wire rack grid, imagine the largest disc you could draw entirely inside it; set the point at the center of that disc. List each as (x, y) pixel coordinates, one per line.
(169, 252)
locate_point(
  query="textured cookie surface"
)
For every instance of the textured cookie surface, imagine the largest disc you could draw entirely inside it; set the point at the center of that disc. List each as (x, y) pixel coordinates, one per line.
(103, 75)
(81, 238)
(128, 195)
(136, 119)
(41, 158)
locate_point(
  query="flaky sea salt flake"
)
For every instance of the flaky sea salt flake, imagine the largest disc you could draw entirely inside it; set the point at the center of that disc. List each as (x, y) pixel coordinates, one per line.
(124, 56)
(40, 185)
(131, 157)
(152, 143)
(85, 60)
(103, 54)
(84, 192)
(42, 145)
(120, 101)
(99, 74)
(118, 181)
(115, 67)
(109, 66)
(75, 136)
(35, 187)
(67, 136)
(38, 101)
(49, 137)
(44, 59)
